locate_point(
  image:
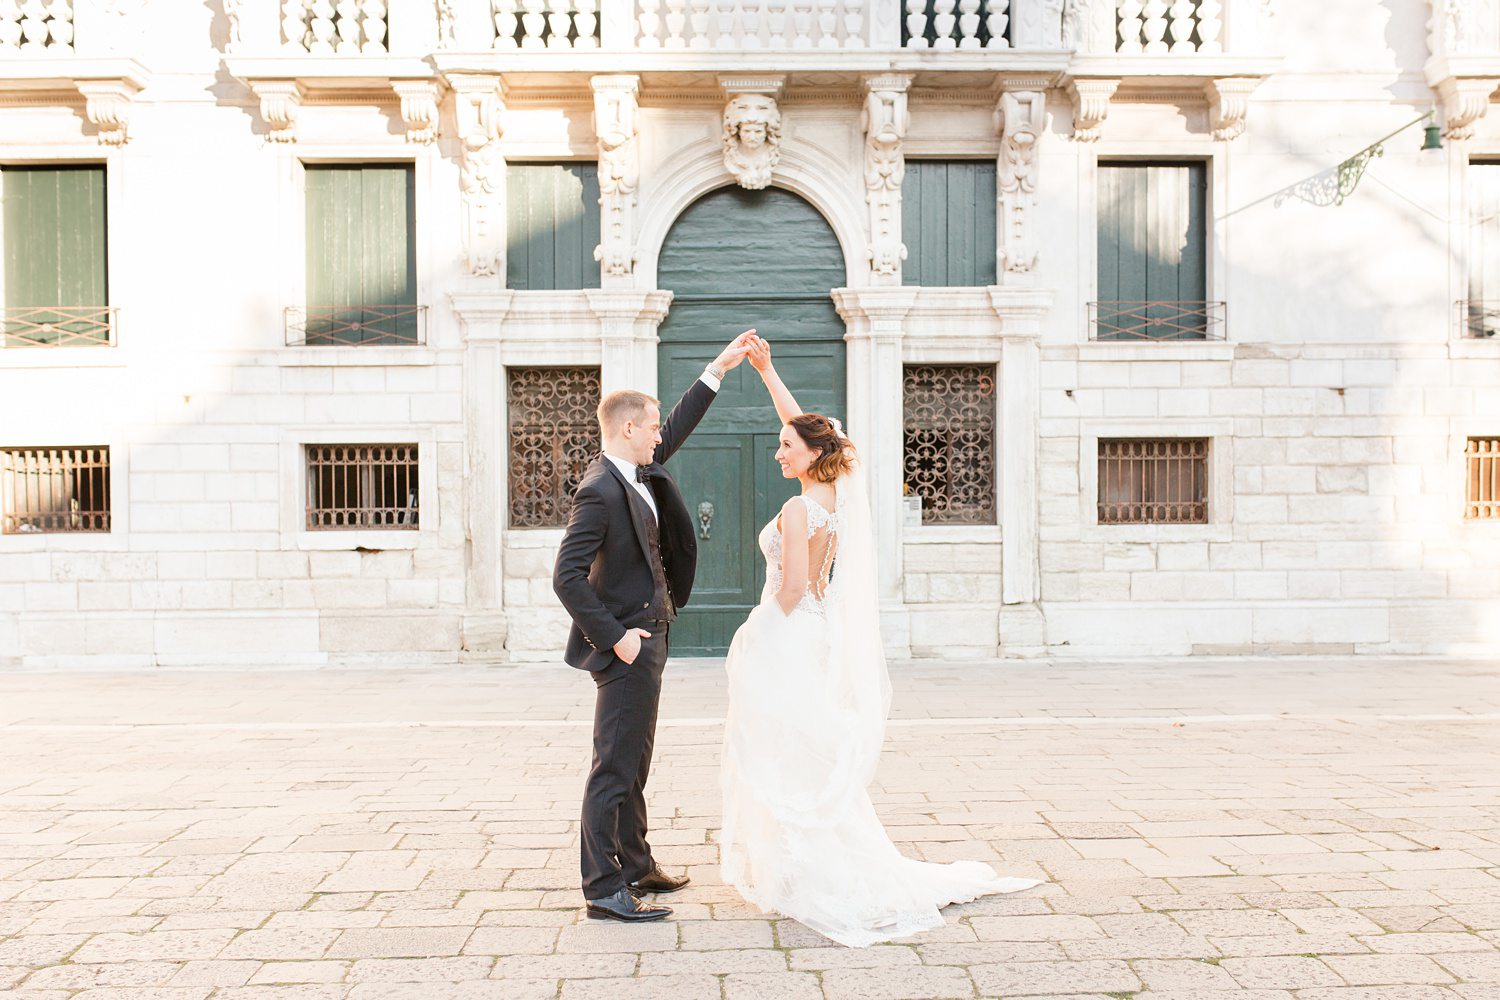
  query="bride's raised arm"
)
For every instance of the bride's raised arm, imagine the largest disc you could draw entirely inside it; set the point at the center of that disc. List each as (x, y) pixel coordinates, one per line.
(760, 360)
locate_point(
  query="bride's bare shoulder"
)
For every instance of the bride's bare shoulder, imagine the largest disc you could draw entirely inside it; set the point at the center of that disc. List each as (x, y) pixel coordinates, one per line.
(824, 495)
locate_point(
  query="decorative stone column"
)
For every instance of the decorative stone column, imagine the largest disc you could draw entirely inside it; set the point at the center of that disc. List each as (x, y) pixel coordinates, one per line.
(628, 321)
(1020, 118)
(1020, 311)
(885, 120)
(480, 105)
(615, 123)
(876, 319)
(484, 624)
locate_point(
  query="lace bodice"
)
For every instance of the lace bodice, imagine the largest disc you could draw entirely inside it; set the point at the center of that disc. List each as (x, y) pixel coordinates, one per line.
(822, 539)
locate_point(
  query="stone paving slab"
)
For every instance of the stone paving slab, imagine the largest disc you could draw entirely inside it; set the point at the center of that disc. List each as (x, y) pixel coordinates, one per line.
(1258, 829)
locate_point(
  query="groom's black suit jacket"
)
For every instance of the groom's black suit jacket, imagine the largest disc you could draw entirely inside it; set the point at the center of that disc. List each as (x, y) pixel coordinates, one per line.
(603, 574)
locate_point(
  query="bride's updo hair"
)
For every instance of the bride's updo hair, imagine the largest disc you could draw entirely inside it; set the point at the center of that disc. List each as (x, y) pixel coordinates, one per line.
(835, 452)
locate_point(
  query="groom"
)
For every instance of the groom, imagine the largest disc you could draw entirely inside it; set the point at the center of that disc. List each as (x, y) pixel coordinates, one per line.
(626, 564)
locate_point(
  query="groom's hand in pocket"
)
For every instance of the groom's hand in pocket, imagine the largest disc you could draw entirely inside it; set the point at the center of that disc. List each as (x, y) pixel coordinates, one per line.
(629, 646)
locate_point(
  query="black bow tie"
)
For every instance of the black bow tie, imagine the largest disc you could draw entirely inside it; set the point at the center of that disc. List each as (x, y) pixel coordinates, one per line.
(644, 472)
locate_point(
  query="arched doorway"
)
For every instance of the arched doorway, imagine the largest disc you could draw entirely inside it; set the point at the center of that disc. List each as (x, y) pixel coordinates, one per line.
(736, 259)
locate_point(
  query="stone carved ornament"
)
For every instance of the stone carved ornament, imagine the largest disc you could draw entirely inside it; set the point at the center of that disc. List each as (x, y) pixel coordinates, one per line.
(619, 173)
(482, 178)
(884, 121)
(1020, 119)
(752, 139)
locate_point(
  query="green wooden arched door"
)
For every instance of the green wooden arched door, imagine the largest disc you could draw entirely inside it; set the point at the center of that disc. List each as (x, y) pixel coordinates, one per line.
(737, 259)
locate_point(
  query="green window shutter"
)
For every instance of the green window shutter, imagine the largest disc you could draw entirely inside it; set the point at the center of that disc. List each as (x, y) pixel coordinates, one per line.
(54, 253)
(1152, 239)
(1484, 249)
(361, 254)
(552, 225)
(948, 222)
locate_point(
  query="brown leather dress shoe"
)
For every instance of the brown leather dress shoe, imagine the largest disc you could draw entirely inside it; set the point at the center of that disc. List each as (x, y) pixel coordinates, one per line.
(625, 907)
(657, 880)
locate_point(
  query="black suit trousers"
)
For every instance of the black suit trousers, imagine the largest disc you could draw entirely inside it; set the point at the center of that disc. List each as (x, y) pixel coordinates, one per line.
(613, 848)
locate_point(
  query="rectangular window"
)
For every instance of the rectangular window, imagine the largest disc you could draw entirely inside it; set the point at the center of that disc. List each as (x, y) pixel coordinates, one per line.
(949, 440)
(1152, 254)
(1153, 480)
(361, 257)
(54, 490)
(554, 434)
(1482, 495)
(355, 486)
(1481, 309)
(56, 291)
(948, 222)
(552, 225)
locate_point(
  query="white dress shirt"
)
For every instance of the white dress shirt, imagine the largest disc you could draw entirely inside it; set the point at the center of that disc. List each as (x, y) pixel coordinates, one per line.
(627, 467)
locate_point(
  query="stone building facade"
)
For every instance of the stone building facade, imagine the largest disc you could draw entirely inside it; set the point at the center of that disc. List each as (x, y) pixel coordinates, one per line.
(307, 305)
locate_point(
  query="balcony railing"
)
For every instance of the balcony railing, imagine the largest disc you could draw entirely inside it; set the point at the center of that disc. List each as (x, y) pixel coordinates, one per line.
(57, 326)
(356, 326)
(1093, 27)
(36, 27)
(1155, 27)
(1479, 317)
(326, 27)
(1162, 320)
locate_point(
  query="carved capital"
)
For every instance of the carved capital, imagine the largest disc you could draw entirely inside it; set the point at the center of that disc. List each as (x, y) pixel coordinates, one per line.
(279, 101)
(419, 108)
(1020, 118)
(1090, 106)
(615, 124)
(107, 105)
(884, 121)
(1228, 105)
(479, 105)
(1465, 101)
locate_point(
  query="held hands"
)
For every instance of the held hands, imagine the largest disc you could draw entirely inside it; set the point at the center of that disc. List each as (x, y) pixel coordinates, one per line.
(629, 646)
(732, 355)
(760, 354)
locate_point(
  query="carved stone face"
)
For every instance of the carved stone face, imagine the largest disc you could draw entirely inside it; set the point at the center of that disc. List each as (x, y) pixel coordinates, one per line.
(753, 134)
(751, 138)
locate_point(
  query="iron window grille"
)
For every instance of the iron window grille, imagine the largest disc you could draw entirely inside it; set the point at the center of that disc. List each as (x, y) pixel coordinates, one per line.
(1482, 494)
(1479, 318)
(949, 441)
(1153, 481)
(1165, 320)
(554, 434)
(362, 486)
(54, 490)
(57, 326)
(356, 326)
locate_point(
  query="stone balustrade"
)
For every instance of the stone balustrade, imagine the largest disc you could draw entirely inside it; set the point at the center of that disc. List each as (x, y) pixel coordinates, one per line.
(1090, 27)
(1463, 39)
(549, 24)
(1157, 26)
(36, 27)
(325, 26)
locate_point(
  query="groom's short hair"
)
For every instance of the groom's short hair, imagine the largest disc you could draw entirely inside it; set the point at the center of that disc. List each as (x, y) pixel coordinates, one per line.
(622, 405)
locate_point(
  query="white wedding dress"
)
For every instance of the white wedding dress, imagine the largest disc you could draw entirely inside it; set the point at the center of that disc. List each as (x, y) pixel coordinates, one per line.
(808, 697)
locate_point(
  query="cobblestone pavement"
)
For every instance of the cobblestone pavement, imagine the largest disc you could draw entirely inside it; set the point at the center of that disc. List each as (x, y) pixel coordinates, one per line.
(1233, 828)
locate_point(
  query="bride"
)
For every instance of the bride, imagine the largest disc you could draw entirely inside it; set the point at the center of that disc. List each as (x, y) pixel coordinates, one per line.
(808, 697)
